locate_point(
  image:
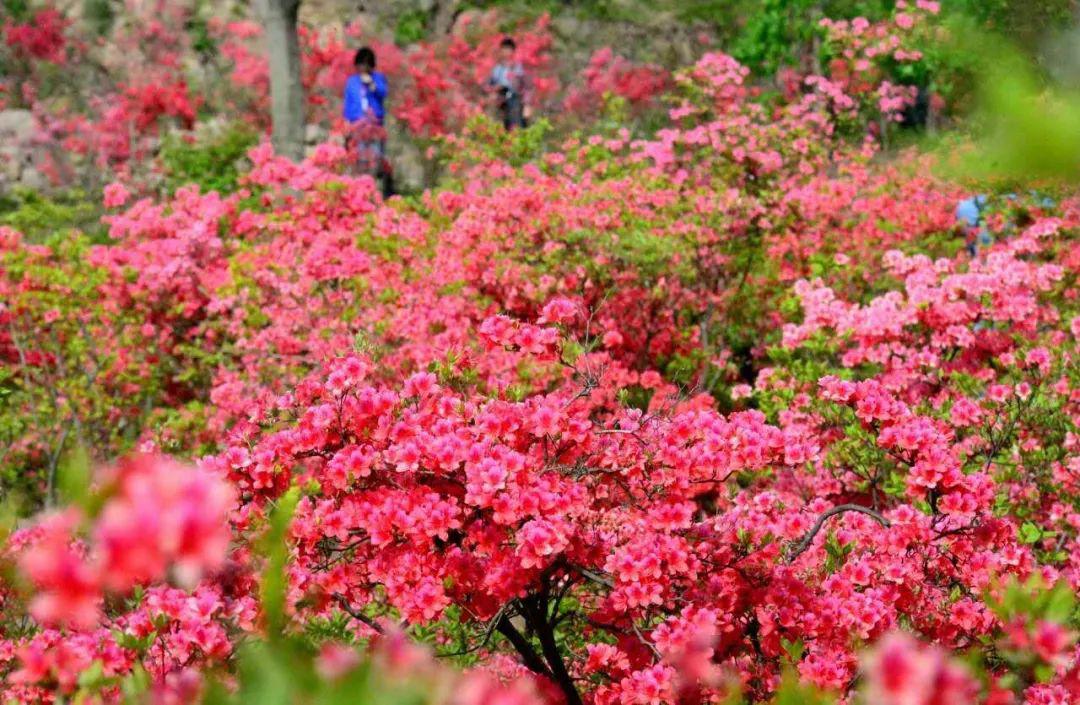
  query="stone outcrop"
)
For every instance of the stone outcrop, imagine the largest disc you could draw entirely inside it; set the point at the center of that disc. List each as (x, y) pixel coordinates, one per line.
(18, 162)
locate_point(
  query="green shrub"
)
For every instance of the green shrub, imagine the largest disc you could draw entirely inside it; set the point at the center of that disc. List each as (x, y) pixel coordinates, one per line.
(213, 164)
(38, 217)
(411, 28)
(99, 15)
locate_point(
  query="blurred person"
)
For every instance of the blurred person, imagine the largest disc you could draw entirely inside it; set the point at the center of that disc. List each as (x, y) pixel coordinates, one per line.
(510, 84)
(365, 111)
(969, 217)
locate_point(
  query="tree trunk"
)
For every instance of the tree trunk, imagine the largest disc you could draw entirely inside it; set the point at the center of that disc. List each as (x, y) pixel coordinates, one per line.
(286, 92)
(444, 14)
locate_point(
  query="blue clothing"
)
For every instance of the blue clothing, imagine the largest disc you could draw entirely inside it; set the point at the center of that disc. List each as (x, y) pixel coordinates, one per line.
(512, 83)
(970, 210)
(512, 77)
(363, 101)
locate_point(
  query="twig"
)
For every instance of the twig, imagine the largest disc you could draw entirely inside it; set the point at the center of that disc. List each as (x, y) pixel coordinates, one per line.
(23, 367)
(646, 642)
(54, 464)
(599, 579)
(706, 322)
(839, 509)
(359, 616)
(491, 625)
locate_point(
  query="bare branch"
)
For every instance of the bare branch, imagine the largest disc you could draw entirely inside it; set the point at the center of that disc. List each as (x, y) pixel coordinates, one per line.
(646, 642)
(491, 626)
(596, 578)
(359, 616)
(804, 544)
(528, 654)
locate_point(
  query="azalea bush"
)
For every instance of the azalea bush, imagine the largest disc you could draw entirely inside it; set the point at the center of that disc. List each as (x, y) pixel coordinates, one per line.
(721, 413)
(112, 105)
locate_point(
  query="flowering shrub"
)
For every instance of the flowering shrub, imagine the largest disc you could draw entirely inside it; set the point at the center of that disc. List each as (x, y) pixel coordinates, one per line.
(869, 59)
(608, 74)
(436, 86)
(724, 412)
(40, 38)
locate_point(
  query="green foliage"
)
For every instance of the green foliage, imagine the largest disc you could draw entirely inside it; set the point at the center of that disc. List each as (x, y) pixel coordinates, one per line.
(726, 16)
(73, 479)
(1025, 22)
(272, 591)
(214, 164)
(791, 690)
(1025, 606)
(411, 28)
(99, 15)
(202, 42)
(589, 9)
(16, 10)
(781, 31)
(1025, 126)
(483, 139)
(1031, 130)
(73, 398)
(38, 217)
(1035, 601)
(284, 673)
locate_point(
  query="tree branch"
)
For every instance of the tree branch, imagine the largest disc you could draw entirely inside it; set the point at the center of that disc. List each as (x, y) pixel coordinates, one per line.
(535, 609)
(804, 544)
(492, 624)
(359, 616)
(594, 577)
(528, 655)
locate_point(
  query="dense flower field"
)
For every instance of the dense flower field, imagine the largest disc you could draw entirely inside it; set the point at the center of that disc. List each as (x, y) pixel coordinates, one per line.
(727, 412)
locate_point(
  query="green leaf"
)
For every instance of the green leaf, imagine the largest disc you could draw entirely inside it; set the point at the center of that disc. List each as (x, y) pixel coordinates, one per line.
(73, 477)
(1060, 605)
(1030, 533)
(92, 676)
(793, 692)
(793, 649)
(270, 679)
(277, 551)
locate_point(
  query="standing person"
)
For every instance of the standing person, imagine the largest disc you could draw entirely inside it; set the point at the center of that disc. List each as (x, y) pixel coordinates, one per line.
(364, 109)
(511, 86)
(969, 216)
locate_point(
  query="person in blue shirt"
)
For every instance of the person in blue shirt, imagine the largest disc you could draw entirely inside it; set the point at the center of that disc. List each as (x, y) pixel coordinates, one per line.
(969, 215)
(511, 85)
(365, 110)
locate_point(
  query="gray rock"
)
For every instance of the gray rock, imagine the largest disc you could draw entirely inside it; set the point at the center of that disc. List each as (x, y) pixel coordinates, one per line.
(406, 158)
(16, 126)
(12, 159)
(33, 179)
(315, 134)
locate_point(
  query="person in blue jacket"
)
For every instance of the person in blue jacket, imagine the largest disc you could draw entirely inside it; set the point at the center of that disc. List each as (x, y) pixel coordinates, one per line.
(365, 109)
(969, 215)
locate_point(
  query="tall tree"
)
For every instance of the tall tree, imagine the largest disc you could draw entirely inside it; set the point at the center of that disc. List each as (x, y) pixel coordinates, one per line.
(279, 18)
